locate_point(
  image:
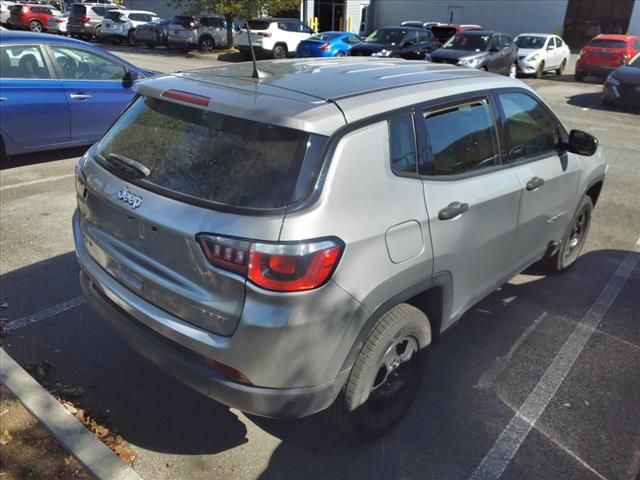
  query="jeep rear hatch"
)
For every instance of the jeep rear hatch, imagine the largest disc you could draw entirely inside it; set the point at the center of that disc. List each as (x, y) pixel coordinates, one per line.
(165, 174)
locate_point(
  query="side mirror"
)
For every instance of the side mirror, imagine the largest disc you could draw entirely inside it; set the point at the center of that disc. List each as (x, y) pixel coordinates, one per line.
(550, 47)
(129, 76)
(582, 143)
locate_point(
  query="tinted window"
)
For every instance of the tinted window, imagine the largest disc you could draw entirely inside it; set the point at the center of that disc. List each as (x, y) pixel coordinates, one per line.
(77, 64)
(325, 36)
(402, 145)
(387, 36)
(183, 20)
(259, 24)
(283, 26)
(531, 130)
(18, 61)
(460, 139)
(470, 42)
(113, 15)
(559, 42)
(214, 157)
(530, 41)
(607, 43)
(504, 41)
(352, 40)
(99, 11)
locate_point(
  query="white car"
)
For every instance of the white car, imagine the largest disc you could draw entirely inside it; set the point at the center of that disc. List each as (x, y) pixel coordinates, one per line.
(119, 25)
(58, 24)
(541, 52)
(4, 11)
(273, 37)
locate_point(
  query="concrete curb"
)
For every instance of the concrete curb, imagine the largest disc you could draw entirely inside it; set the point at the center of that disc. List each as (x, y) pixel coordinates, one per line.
(101, 462)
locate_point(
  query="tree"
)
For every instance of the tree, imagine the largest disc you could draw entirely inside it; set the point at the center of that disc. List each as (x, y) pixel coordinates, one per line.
(231, 9)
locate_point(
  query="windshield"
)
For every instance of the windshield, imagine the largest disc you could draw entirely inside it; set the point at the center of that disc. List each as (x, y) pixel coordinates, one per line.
(472, 43)
(635, 62)
(607, 43)
(199, 154)
(530, 41)
(387, 36)
(324, 37)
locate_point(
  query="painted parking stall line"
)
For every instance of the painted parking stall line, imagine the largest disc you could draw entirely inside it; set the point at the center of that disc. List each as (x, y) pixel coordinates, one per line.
(35, 182)
(44, 314)
(508, 443)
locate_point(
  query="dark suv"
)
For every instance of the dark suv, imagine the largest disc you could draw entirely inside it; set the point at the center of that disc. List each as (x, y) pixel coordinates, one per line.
(490, 51)
(407, 42)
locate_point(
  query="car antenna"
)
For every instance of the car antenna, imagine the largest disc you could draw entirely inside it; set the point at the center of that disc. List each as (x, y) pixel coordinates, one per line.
(256, 72)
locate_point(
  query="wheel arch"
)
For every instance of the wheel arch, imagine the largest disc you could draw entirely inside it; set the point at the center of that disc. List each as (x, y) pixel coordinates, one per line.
(433, 296)
(594, 190)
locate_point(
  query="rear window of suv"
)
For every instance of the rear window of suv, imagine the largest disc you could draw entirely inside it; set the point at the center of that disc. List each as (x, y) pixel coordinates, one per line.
(259, 24)
(199, 155)
(608, 43)
(78, 10)
(113, 15)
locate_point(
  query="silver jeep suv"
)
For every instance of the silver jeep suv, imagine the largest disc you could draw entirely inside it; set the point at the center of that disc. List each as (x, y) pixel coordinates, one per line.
(295, 242)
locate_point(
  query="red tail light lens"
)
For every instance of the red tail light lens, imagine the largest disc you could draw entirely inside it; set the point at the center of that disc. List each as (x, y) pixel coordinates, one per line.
(324, 46)
(85, 19)
(278, 267)
(264, 34)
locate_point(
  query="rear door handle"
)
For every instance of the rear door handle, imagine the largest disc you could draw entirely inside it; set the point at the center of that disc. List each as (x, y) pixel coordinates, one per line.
(535, 183)
(453, 210)
(80, 96)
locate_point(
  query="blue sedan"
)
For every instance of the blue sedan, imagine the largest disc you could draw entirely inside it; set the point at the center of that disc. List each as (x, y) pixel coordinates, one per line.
(327, 44)
(57, 92)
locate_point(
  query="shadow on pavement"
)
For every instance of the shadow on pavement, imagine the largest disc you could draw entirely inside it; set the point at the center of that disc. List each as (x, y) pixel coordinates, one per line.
(455, 420)
(449, 428)
(42, 157)
(594, 101)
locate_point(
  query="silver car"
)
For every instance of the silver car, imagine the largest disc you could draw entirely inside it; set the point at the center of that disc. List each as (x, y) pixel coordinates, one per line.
(294, 242)
(204, 32)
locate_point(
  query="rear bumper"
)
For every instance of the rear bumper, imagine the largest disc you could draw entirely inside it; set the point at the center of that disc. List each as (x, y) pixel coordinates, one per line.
(182, 350)
(81, 29)
(179, 42)
(595, 70)
(269, 402)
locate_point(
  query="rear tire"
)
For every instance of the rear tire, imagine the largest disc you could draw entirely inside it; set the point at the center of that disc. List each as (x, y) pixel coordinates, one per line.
(131, 38)
(561, 68)
(386, 375)
(279, 52)
(574, 240)
(35, 26)
(98, 34)
(206, 45)
(578, 77)
(3, 153)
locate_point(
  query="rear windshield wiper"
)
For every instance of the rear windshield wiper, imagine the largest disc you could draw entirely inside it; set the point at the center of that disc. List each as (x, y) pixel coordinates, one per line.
(131, 167)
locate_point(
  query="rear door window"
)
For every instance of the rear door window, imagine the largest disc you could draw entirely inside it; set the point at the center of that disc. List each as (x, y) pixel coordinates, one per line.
(22, 61)
(198, 155)
(461, 138)
(259, 24)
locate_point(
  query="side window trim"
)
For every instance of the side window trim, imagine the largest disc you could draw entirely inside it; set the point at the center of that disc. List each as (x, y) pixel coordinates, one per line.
(412, 115)
(422, 136)
(503, 127)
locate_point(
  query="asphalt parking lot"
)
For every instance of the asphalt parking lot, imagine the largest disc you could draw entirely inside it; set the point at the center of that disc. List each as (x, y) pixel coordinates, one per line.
(538, 381)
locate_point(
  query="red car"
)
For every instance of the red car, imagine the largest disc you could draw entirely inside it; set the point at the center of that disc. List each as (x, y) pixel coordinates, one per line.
(31, 17)
(604, 53)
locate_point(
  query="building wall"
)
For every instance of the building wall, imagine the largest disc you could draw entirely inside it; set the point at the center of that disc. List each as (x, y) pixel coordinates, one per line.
(510, 17)
(157, 6)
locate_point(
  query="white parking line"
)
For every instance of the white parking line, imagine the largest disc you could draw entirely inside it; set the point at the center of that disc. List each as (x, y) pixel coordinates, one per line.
(506, 446)
(35, 182)
(44, 314)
